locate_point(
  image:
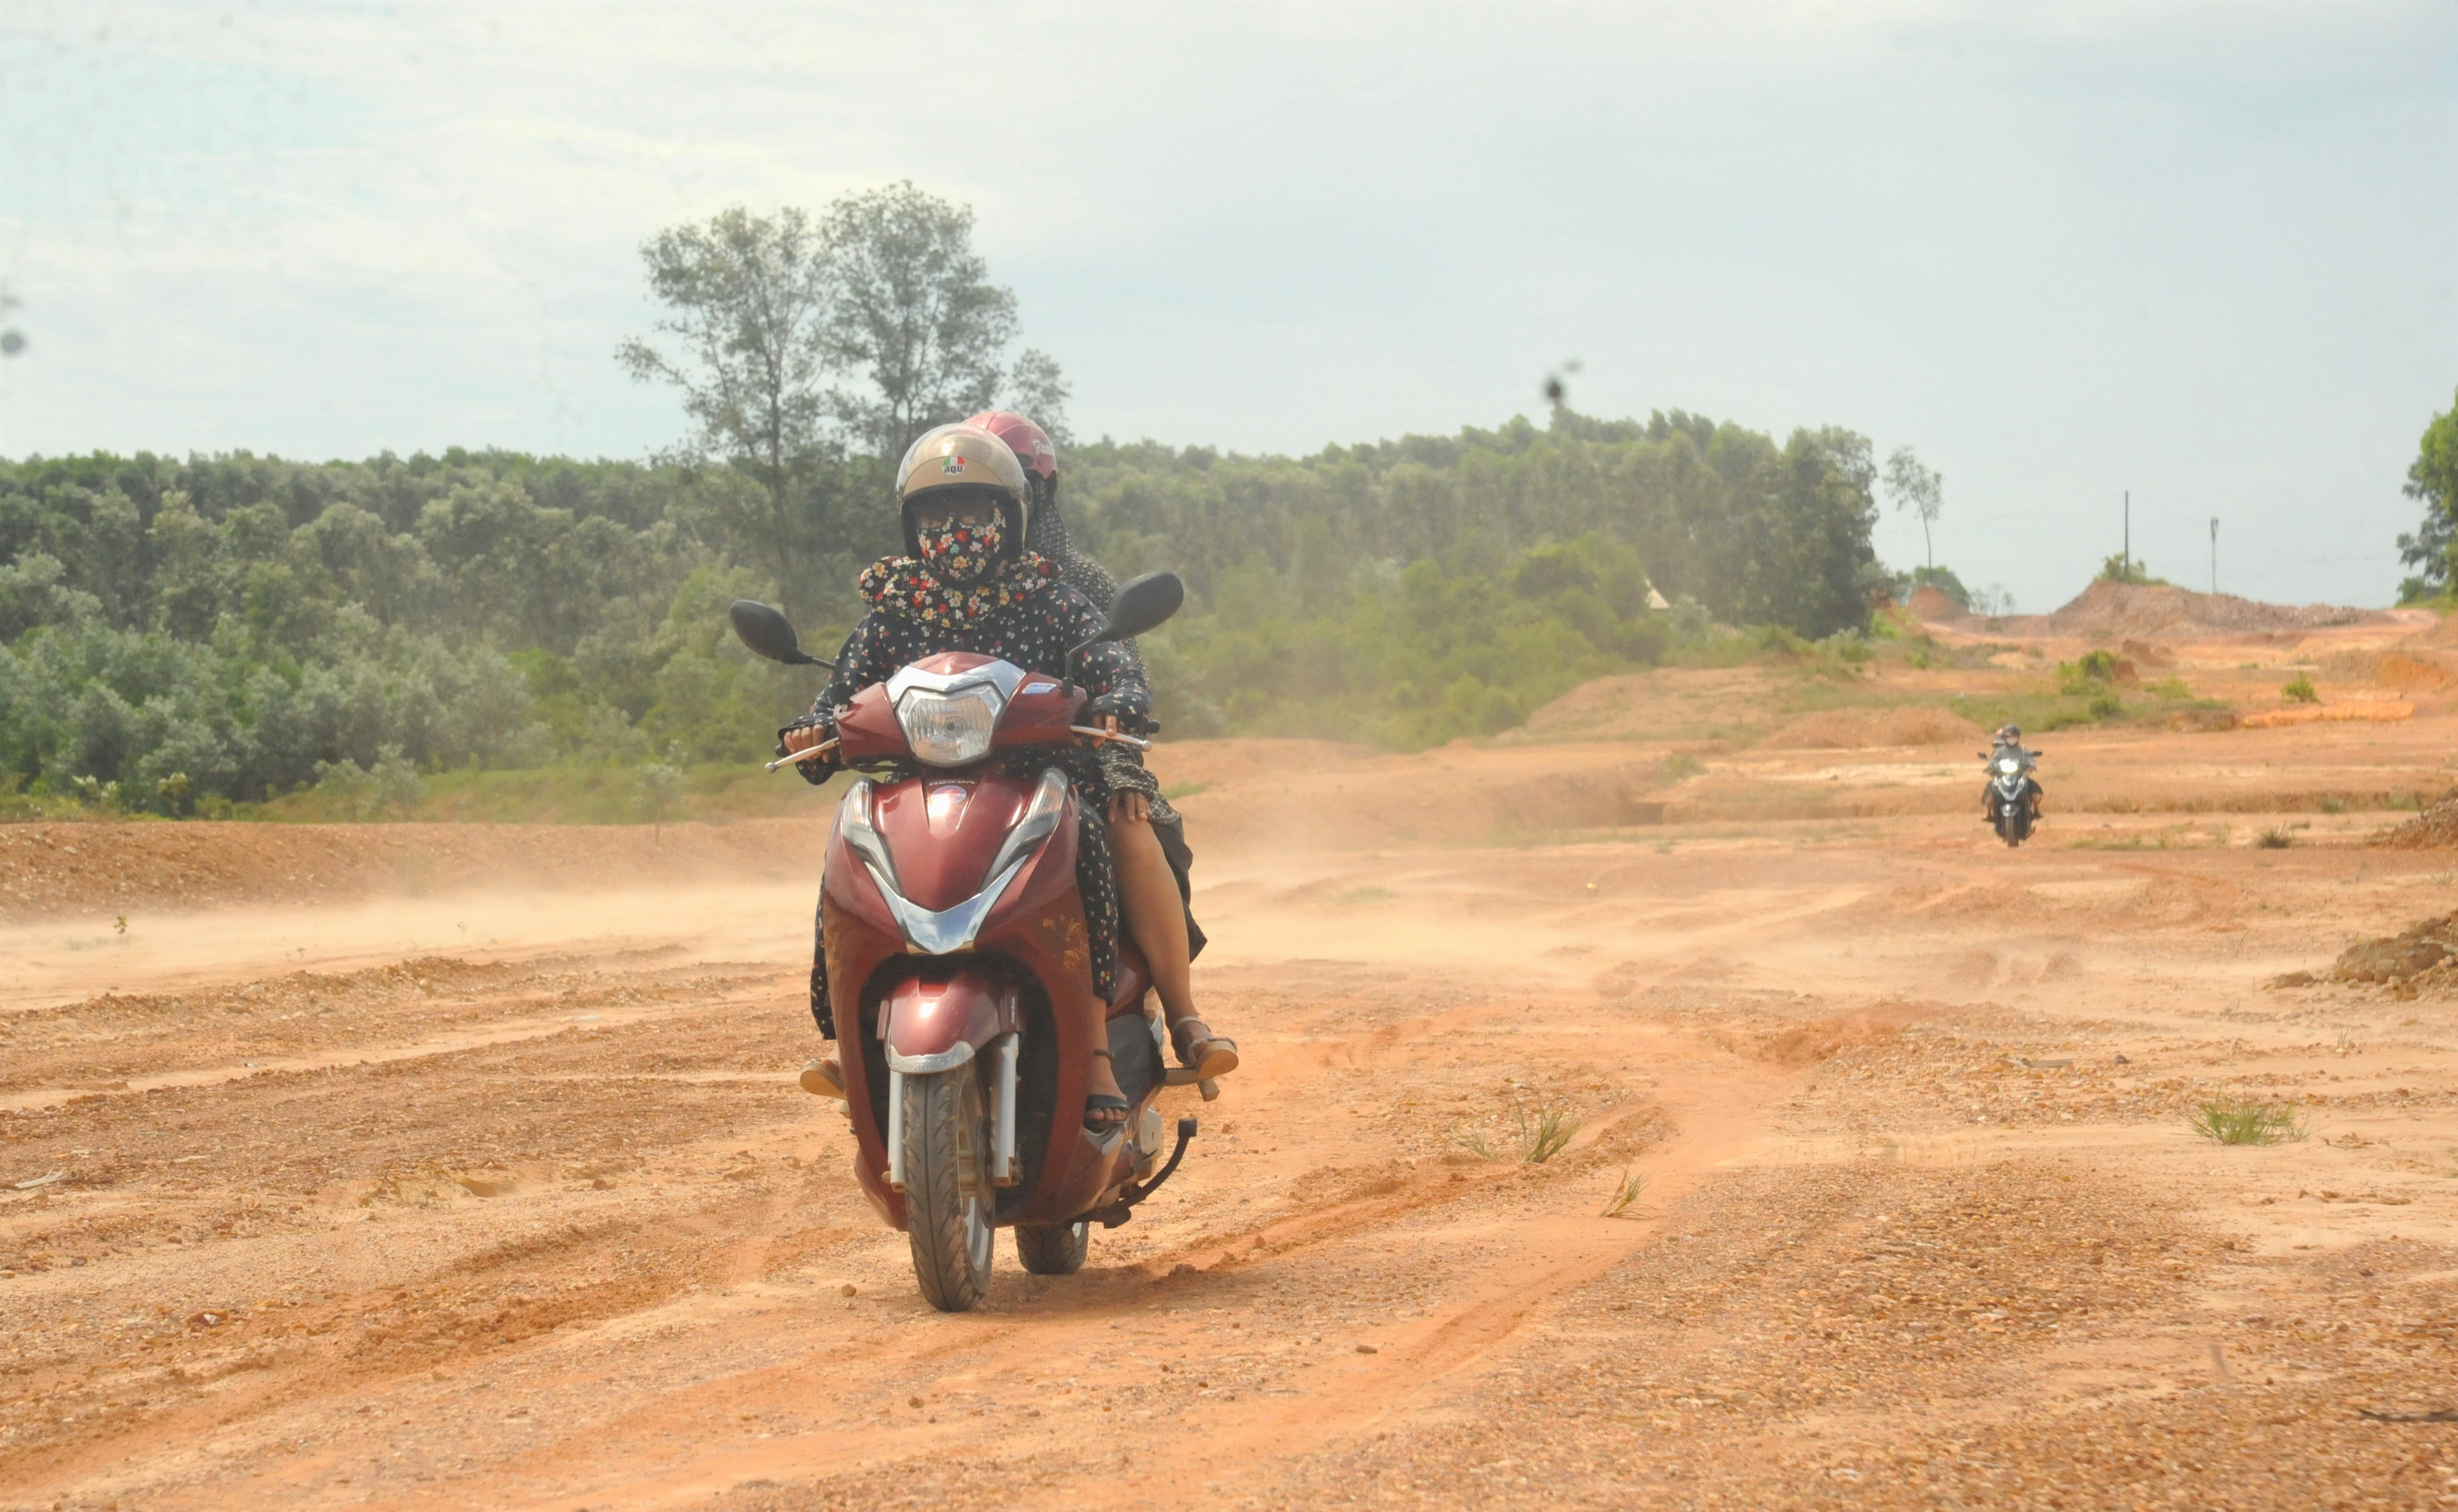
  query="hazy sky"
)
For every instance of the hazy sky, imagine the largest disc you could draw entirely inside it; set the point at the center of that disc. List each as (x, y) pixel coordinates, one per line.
(2205, 251)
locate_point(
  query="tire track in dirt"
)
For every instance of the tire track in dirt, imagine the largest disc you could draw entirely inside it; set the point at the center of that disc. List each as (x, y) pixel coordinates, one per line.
(1521, 1264)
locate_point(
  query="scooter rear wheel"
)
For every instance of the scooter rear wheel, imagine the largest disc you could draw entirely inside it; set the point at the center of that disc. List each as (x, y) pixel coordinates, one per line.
(1052, 1249)
(948, 1199)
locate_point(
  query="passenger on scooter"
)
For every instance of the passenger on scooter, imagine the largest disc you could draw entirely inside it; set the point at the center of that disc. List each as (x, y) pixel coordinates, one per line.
(1038, 454)
(968, 582)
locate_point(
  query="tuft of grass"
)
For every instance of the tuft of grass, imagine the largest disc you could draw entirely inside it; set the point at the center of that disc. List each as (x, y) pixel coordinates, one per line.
(1682, 764)
(2241, 1121)
(1474, 1142)
(1364, 895)
(1624, 1194)
(1544, 1132)
(2300, 689)
(2331, 803)
(2274, 838)
(1185, 790)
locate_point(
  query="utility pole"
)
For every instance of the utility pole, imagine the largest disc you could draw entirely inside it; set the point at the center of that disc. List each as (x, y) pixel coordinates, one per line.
(2125, 562)
(2215, 554)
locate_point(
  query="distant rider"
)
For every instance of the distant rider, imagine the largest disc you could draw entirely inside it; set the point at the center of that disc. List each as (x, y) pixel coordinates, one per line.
(2010, 738)
(967, 581)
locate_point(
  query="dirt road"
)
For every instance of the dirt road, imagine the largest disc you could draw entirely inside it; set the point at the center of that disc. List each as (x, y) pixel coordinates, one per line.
(507, 1199)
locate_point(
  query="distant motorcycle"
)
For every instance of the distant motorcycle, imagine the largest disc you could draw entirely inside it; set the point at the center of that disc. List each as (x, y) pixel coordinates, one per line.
(2012, 794)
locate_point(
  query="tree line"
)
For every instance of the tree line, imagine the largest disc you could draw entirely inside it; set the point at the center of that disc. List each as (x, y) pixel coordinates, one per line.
(178, 635)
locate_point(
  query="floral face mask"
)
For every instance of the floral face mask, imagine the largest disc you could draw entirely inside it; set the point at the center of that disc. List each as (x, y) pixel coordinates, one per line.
(960, 551)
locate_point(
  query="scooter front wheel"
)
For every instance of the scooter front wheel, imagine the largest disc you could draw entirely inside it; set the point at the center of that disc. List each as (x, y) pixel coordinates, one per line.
(948, 1199)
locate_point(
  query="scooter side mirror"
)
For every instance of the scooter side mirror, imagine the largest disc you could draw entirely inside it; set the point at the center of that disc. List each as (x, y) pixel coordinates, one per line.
(769, 633)
(1144, 604)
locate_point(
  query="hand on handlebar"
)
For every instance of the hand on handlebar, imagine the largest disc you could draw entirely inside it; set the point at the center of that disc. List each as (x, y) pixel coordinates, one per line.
(1115, 713)
(795, 739)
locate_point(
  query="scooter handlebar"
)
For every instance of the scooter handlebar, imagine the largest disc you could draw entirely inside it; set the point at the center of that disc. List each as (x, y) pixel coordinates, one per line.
(823, 748)
(1096, 736)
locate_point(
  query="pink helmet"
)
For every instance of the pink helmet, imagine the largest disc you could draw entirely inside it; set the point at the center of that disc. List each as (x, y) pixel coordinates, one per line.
(1032, 444)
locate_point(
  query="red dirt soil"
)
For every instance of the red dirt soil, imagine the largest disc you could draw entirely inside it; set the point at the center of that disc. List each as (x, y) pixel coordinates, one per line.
(439, 1168)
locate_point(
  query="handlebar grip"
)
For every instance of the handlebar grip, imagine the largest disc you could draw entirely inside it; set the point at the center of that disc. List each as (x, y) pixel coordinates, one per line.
(1096, 734)
(802, 755)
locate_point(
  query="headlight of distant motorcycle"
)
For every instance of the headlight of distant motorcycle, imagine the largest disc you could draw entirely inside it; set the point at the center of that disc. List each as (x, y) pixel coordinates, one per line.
(2008, 765)
(949, 729)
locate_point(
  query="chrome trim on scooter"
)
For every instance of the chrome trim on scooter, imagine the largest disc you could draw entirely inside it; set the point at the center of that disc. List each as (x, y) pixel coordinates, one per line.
(1039, 821)
(1002, 675)
(930, 932)
(1003, 1167)
(947, 1059)
(853, 822)
(944, 934)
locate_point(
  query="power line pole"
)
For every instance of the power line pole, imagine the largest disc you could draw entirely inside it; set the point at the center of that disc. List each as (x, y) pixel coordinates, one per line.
(2215, 554)
(2125, 562)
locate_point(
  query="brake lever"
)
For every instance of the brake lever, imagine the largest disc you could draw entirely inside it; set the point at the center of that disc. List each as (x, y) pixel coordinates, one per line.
(799, 756)
(1098, 734)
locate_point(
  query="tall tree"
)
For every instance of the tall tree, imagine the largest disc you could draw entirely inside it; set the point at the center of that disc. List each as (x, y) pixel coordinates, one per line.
(1039, 390)
(916, 313)
(1915, 487)
(2434, 479)
(747, 299)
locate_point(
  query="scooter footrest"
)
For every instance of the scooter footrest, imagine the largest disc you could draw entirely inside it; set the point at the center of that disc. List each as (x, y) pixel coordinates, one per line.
(1184, 1076)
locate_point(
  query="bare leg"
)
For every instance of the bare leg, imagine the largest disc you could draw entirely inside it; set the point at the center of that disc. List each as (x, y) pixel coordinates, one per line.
(1104, 1081)
(1157, 917)
(1148, 895)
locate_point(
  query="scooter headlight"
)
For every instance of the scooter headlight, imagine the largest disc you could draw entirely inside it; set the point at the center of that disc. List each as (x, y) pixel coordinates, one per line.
(2008, 765)
(951, 728)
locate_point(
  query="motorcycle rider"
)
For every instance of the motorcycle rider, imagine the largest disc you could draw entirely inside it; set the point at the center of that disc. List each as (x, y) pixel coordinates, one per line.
(967, 581)
(2009, 738)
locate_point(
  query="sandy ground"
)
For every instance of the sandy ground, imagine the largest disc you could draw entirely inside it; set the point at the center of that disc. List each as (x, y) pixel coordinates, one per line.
(484, 1183)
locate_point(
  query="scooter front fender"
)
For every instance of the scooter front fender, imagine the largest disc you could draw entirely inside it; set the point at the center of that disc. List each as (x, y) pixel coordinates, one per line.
(931, 1025)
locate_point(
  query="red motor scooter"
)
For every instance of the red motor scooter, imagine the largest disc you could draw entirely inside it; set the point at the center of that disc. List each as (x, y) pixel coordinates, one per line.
(960, 967)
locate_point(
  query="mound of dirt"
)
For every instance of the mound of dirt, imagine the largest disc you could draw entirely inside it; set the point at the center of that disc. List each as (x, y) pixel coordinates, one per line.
(2424, 673)
(2404, 956)
(1858, 729)
(1811, 1042)
(2433, 829)
(57, 868)
(1935, 607)
(2117, 611)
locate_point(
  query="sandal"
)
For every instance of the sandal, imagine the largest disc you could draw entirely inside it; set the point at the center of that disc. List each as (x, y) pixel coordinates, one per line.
(823, 1078)
(1098, 1105)
(1206, 1055)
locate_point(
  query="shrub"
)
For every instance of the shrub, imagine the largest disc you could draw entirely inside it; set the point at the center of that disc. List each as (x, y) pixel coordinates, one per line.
(2240, 1120)
(1624, 1194)
(2300, 689)
(1681, 764)
(1543, 1135)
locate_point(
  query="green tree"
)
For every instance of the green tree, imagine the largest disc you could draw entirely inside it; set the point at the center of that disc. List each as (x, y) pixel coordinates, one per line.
(1915, 487)
(748, 298)
(2433, 478)
(916, 315)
